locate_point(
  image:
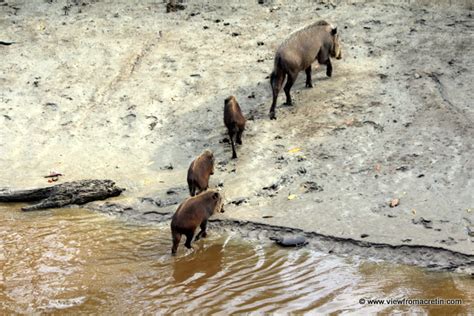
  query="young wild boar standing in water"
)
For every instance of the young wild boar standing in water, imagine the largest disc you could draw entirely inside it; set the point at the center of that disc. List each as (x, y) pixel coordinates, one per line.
(318, 41)
(234, 120)
(199, 172)
(194, 212)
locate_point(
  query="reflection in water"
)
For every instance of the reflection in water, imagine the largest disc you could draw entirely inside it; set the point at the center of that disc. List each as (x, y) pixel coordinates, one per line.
(78, 261)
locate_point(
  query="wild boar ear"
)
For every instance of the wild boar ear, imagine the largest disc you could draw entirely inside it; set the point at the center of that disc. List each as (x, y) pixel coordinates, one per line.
(215, 195)
(334, 31)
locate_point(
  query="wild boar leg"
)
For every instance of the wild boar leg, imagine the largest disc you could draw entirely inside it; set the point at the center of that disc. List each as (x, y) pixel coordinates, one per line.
(239, 137)
(202, 233)
(189, 238)
(289, 83)
(276, 83)
(328, 68)
(192, 188)
(309, 80)
(176, 240)
(231, 136)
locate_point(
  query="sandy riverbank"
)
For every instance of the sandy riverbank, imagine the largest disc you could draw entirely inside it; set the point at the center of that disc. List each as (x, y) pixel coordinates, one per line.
(127, 92)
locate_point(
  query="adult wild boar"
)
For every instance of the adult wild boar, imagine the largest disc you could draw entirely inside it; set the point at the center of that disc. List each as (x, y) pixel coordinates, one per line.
(318, 41)
(234, 120)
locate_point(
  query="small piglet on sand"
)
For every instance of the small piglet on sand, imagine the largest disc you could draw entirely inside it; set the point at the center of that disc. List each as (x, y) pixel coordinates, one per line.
(234, 120)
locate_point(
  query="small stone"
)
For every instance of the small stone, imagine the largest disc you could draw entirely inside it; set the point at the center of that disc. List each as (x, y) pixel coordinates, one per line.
(417, 75)
(364, 236)
(235, 34)
(394, 202)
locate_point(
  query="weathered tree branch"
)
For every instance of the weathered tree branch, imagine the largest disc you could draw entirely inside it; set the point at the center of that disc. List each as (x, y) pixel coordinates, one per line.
(75, 192)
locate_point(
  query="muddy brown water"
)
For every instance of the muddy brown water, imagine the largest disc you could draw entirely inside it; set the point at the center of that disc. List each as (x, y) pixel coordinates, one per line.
(78, 261)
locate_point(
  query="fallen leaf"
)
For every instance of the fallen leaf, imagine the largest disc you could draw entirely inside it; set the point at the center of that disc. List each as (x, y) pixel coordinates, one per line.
(378, 167)
(291, 196)
(413, 211)
(294, 150)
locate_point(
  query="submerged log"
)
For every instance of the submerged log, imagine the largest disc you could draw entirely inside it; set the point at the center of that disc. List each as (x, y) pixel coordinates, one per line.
(60, 195)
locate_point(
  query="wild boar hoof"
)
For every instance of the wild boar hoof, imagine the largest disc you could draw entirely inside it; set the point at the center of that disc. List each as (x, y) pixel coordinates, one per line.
(309, 85)
(272, 116)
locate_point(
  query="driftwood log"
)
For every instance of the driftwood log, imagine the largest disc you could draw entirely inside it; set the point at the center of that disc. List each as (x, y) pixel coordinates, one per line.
(60, 195)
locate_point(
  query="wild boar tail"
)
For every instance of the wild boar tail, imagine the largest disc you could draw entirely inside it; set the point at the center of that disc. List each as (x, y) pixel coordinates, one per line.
(277, 67)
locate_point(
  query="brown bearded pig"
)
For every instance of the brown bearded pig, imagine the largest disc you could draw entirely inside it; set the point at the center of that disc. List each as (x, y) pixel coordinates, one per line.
(234, 120)
(199, 172)
(194, 212)
(318, 41)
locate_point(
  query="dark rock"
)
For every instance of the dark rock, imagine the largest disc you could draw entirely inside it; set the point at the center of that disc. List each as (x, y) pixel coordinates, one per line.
(173, 7)
(235, 34)
(292, 241)
(260, 43)
(364, 236)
